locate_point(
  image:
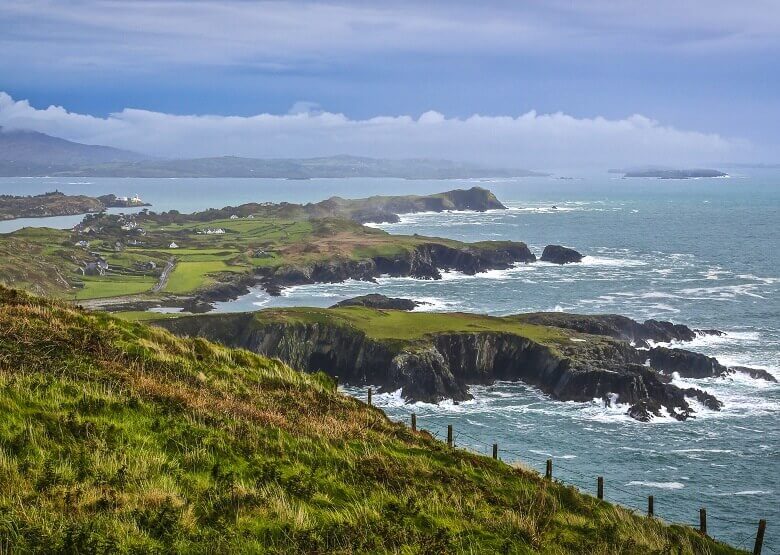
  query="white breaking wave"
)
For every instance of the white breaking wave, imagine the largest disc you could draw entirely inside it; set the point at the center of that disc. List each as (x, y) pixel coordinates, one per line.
(659, 485)
(589, 260)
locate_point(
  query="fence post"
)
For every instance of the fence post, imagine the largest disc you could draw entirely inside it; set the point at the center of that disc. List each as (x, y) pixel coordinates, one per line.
(548, 471)
(600, 487)
(369, 395)
(495, 451)
(449, 435)
(703, 521)
(414, 422)
(650, 506)
(759, 537)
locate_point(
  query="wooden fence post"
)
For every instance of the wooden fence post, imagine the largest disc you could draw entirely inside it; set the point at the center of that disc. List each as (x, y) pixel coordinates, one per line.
(600, 487)
(759, 537)
(449, 435)
(414, 422)
(548, 471)
(369, 395)
(650, 506)
(495, 451)
(703, 521)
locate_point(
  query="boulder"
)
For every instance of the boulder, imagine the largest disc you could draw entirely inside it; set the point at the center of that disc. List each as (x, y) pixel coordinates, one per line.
(560, 255)
(375, 300)
(756, 373)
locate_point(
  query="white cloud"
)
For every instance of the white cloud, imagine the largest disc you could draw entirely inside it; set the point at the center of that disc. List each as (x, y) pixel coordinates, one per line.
(276, 34)
(530, 140)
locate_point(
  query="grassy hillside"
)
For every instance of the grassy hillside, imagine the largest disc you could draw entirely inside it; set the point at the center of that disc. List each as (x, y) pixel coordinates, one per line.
(121, 438)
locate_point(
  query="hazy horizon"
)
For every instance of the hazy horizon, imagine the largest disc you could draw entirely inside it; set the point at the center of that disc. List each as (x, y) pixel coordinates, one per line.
(533, 85)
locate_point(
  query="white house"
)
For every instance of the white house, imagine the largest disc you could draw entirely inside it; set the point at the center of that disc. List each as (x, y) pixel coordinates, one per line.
(173, 246)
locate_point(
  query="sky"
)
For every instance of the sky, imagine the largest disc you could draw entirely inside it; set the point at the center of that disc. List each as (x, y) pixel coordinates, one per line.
(534, 84)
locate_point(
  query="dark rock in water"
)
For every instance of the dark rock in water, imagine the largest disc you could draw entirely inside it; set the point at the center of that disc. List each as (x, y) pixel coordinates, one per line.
(756, 373)
(695, 365)
(375, 216)
(686, 363)
(644, 411)
(662, 331)
(716, 333)
(375, 300)
(560, 255)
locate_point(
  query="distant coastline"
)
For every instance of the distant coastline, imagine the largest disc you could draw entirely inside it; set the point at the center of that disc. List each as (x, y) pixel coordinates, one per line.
(662, 173)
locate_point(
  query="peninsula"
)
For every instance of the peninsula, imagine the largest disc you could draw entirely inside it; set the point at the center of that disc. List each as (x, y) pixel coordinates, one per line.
(56, 203)
(191, 260)
(435, 356)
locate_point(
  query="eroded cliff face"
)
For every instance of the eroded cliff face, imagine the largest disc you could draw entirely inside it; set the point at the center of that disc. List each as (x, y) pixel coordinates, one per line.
(425, 261)
(443, 366)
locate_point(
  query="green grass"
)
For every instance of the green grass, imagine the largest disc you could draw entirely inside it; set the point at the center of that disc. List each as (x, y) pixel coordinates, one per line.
(121, 438)
(401, 325)
(191, 276)
(114, 286)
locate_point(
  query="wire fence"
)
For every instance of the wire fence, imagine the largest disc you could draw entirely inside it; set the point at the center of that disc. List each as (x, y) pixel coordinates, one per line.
(480, 447)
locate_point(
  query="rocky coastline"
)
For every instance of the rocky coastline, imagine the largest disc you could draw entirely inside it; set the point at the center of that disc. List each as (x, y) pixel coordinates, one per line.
(426, 261)
(599, 363)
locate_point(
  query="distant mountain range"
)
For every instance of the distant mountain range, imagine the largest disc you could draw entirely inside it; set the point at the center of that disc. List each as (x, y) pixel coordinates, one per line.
(29, 153)
(32, 153)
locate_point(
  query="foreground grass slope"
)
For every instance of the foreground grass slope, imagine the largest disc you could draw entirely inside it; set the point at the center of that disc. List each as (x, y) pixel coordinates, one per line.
(118, 437)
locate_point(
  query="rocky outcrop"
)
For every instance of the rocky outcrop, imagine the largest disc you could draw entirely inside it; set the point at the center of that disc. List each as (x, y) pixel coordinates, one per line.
(560, 255)
(688, 364)
(443, 365)
(426, 261)
(755, 373)
(685, 363)
(619, 327)
(376, 300)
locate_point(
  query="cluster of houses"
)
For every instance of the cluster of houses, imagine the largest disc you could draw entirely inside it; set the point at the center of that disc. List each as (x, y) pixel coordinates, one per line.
(212, 231)
(131, 200)
(96, 268)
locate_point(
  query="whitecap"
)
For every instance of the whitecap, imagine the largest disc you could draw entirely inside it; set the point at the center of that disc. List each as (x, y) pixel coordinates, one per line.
(659, 485)
(590, 260)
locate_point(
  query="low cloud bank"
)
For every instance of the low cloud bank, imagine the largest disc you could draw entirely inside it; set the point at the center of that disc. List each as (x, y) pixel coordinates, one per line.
(537, 141)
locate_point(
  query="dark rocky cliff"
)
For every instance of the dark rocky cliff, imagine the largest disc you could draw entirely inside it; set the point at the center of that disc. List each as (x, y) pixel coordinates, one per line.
(444, 365)
(425, 261)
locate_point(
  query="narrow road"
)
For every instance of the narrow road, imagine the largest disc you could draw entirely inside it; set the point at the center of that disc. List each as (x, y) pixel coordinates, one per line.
(164, 276)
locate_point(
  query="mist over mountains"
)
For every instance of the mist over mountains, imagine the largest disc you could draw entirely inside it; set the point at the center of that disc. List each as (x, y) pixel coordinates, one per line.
(30, 153)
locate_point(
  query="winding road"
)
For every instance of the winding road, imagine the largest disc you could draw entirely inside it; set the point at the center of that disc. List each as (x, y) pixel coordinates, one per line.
(161, 283)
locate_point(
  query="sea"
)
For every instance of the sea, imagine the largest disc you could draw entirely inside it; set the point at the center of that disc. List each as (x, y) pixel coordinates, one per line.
(701, 252)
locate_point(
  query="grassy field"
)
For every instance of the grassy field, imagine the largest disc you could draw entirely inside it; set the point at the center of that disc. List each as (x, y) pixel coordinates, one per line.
(121, 438)
(401, 325)
(189, 276)
(99, 287)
